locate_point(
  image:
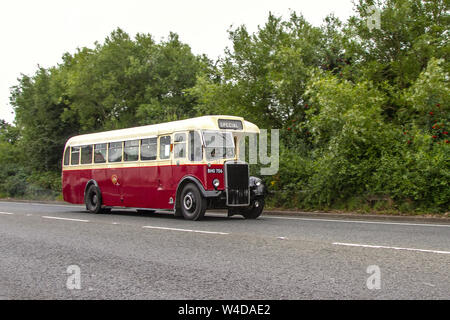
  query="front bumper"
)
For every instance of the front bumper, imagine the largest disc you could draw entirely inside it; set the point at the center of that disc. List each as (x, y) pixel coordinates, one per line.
(217, 199)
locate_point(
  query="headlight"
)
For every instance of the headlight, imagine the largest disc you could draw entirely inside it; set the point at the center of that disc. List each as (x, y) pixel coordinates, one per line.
(216, 183)
(258, 183)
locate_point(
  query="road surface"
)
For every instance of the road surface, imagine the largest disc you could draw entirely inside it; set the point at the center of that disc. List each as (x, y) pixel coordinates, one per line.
(48, 251)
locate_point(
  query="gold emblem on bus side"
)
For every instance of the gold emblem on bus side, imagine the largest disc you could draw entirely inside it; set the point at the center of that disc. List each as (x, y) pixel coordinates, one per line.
(115, 179)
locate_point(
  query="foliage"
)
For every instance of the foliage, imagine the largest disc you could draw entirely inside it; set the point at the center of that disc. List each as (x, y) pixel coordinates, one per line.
(264, 77)
(363, 112)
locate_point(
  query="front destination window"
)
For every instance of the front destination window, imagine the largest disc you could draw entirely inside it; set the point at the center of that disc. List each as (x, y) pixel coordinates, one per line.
(218, 145)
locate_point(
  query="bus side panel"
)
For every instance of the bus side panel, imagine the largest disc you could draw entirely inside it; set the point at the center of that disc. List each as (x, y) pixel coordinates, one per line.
(216, 172)
(146, 192)
(83, 177)
(73, 184)
(154, 186)
(164, 189)
(99, 175)
(111, 186)
(158, 184)
(200, 172)
(142, 187)
(135, 185)
(196, 171)
(69, 180)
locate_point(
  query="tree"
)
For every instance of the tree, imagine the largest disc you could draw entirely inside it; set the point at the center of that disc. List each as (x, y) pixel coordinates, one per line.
(38, 106)
(125, 82)
(8, 133)
(411, 33)
(264, 76)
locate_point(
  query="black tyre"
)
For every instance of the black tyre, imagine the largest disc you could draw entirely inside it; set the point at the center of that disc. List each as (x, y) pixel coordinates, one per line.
(93, 200)
(192, 204)
(105, 210)
(178, 212)
(254, 210)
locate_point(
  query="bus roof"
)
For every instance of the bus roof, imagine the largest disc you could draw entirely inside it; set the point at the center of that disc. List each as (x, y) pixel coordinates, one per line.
(199, 123)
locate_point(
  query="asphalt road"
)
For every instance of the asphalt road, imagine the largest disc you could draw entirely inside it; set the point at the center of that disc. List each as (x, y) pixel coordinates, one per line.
(126, 255)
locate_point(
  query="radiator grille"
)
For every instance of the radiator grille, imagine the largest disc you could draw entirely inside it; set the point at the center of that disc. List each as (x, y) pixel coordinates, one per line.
(238, 192)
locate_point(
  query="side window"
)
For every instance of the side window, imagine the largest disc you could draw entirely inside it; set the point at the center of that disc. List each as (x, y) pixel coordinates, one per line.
(75, 156)
(67, 156)
(180, 145)
(115, 152)
(86, 154)
(149, 149)
(100, 153)
(164, 147)
(131, 150)
(195, 146)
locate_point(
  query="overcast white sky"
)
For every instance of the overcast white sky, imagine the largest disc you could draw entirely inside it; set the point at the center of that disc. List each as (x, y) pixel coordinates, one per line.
(39, 32)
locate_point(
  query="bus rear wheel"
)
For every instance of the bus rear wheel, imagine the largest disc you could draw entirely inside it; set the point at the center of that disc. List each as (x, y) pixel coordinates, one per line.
(93, 200)
(192, 204)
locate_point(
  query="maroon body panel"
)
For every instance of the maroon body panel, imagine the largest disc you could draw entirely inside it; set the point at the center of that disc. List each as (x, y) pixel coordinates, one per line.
(139, 187)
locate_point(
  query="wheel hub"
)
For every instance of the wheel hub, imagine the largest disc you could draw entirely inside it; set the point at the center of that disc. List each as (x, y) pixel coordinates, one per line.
(188, 202)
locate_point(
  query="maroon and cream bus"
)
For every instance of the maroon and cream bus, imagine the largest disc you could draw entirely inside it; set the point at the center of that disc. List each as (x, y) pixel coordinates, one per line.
(186, 166)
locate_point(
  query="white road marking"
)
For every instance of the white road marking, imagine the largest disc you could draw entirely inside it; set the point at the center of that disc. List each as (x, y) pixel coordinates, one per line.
(429, 284)
(8, 213)
(44, 204)
(66, 219)
(274, 217)
(387, 247)
(185, 230)
(363, 221)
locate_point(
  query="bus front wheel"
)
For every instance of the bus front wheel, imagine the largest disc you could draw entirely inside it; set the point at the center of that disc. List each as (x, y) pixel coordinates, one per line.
(255, 209)
(192, 204)
(93, 200)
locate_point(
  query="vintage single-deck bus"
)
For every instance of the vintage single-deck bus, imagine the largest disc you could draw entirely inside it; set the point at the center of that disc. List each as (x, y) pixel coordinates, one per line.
(187, 166)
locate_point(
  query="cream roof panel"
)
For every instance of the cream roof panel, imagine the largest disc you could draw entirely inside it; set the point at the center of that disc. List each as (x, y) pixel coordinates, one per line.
(204, 123)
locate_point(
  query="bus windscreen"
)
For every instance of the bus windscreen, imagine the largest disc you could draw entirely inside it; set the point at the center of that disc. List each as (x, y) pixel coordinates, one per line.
(218, 145)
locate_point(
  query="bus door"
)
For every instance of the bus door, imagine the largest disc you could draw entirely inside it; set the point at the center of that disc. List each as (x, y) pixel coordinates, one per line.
(113, 191)
(164, 197)
(149, 174)
(179, 167)
(179, 149)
